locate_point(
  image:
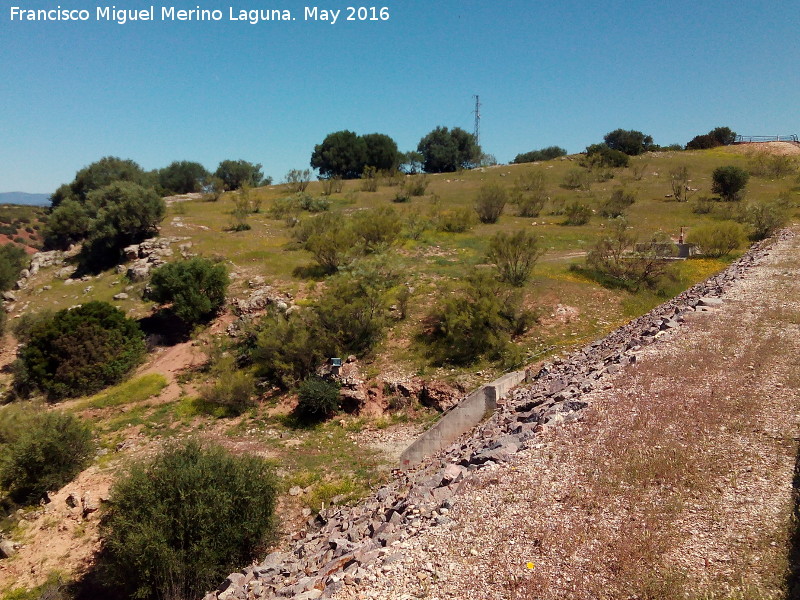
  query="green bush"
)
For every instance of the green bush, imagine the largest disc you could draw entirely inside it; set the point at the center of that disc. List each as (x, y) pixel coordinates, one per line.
(317, 400)
(457, 220)
(12, 260)
(764, 219)
(416, 185)
(490, 202)
(233, 389)
(601, 155)
(577, 213)
(195, 288)
(729, 182)
(618, 259)
(717, 239)
(775, 166)
(126, 213)
(514, 255)
(577, 179)
(179, 523)
(297, 180)
(530, 194)
(369, 179)
(478, 320)
(287, 350)
(629, 141)
(548, 153)
(80, 351)
(41, 452)
(376, 229)
(617, 203)
(183, 177)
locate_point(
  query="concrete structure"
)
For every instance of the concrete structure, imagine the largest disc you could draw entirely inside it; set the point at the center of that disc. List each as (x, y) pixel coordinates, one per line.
(460, 419)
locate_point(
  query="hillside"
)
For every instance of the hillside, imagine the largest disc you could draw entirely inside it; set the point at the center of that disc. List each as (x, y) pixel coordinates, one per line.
(396, 388)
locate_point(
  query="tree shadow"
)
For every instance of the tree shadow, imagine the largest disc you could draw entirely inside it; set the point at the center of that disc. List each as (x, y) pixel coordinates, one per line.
(163, 328)
(793, 576)
(312, 271)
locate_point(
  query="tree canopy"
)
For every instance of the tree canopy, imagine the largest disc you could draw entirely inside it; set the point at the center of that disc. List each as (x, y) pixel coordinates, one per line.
(346, 154)
(548, 153)
(195, 288)
(99, 174)
(126, 213)
(183, 177)
(80, 351)
(236, 174)
(719, 136)
(631, 142)
(446, 150)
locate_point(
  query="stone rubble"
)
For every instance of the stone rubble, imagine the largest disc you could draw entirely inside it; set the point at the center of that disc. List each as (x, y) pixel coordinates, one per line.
(351, 545)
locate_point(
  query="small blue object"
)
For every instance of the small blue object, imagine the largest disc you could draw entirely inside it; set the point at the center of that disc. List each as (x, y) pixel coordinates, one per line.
(336, 362)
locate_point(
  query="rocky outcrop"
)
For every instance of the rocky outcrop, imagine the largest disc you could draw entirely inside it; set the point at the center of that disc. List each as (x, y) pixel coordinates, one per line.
(336, 547)
(144, 257)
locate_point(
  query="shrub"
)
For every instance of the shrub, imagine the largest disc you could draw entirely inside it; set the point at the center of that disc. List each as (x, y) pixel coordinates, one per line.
(679, 181)
(288, 349)
(764, 219)
(729, 182)
(332, 185)
(577, 213)
(601, 155)
(331, 247)
(42, 453)
(616, 204)
(81, 351)
(194, 288)
(416, 185)
(233, 389)
(376, 229)
(514, 255)
(242, 208)
(490, 202)
(317, 400)
(718, 239)
(577, 179)
(401, 195)
(353, 312)
(178, 524)
(548, 153)
(763, 164)
(369, 180)
(719, 136)
(476, 321)
(703, 205)
(12, 260)
(530, 193)
(297, 180)
(458, 220)
(619, 259)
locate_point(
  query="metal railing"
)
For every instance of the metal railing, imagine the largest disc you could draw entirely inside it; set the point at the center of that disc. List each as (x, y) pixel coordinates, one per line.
(745, 139)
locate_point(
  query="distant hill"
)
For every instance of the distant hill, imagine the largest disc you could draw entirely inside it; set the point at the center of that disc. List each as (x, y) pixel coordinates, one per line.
(24, 198)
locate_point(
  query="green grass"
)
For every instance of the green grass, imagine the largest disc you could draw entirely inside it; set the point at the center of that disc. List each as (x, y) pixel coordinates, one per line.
(133, 391)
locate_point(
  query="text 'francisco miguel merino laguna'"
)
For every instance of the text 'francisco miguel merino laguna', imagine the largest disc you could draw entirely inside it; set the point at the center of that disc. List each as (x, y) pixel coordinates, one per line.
(170, 13)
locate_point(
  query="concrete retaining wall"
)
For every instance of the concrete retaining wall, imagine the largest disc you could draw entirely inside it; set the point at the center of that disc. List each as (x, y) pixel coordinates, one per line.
(460, 419)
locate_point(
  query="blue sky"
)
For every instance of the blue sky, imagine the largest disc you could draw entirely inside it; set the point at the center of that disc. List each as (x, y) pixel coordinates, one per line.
(559, 72)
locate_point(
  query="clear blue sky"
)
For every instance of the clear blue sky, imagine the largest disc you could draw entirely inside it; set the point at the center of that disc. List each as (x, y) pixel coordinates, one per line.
(559, 72)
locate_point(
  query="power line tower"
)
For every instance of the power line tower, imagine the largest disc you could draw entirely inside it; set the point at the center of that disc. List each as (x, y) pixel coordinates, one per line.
(477, 112)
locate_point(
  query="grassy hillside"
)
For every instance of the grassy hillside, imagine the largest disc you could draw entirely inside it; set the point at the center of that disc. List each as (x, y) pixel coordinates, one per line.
(340, 459)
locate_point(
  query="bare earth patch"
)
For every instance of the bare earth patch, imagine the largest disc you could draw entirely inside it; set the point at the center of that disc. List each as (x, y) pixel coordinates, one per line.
(676, 483)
